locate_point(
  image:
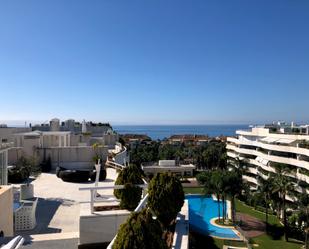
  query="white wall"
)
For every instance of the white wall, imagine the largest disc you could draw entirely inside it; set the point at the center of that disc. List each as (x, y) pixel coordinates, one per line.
(72, 157)
(100, 227)
(167, 163)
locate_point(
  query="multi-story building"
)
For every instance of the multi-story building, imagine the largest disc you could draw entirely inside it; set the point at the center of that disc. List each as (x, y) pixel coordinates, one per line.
(65, 144)
(264, 147)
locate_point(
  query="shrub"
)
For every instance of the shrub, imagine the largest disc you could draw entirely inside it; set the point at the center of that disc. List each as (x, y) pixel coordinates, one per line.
(140, 232)
(23, 169)
(166, 197)
(130, 195)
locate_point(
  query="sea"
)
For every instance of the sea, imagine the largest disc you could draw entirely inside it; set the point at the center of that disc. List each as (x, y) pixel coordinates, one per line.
(156, 132)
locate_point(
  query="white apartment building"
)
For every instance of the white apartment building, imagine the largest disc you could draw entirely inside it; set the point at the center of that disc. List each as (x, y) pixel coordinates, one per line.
(168, 166)
(263, 146)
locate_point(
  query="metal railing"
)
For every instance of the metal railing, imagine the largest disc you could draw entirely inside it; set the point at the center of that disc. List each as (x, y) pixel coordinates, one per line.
(114, 165)
(93, 193)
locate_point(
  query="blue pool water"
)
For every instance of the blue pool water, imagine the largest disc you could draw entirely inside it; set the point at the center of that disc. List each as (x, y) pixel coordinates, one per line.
(201, 210)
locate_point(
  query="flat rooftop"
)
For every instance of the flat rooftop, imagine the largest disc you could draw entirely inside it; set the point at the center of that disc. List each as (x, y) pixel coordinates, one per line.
(58, 210)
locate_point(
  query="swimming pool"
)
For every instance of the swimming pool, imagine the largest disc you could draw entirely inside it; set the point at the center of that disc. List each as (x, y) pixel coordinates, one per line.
(201, 210)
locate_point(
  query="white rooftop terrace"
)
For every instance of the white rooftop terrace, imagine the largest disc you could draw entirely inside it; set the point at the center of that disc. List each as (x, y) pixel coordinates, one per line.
(59, 205)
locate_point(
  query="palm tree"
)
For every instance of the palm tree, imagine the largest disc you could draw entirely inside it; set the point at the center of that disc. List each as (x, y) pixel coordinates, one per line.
(235, 186)
(240, 165)
(283, 186)
(216, 184)
(225, 190)
(211, 180)
(265, 189)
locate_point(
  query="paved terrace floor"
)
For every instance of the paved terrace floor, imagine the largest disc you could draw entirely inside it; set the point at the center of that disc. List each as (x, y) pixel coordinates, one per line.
(59, 208)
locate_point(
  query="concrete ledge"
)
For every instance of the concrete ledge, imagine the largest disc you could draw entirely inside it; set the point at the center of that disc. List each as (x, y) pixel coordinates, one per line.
(99, 227)
(181, 234)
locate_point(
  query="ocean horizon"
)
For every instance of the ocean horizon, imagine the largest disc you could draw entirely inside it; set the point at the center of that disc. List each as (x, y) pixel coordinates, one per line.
(156, 132)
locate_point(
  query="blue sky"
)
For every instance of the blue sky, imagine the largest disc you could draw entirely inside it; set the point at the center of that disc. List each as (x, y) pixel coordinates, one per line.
(155, 61)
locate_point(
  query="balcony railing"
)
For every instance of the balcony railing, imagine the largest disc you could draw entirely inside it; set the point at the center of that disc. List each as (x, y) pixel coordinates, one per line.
(93, 192)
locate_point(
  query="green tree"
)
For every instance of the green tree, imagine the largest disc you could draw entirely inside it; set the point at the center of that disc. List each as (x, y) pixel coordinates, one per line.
(283, 186)
(265, 190)
(130, 195)
(240, 165)
(216, 186)
(144, 153)
(166, 197)
(214, 156)
(140, 231)
(233, 187)
(213, 184)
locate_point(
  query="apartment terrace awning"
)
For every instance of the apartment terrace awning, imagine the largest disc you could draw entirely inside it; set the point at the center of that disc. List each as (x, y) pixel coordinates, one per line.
(285, 141)
(277, 140)
(269, 139)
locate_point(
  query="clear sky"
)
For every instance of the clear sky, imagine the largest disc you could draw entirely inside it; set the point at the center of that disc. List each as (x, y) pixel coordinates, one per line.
(155, 61)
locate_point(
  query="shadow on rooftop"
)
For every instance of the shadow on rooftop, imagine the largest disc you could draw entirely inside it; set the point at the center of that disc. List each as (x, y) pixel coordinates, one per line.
(45, 212)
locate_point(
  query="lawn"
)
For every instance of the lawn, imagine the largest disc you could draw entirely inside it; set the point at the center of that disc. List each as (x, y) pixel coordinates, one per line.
(193, 190)
(243, 208)
(198, 241)
(275, 238)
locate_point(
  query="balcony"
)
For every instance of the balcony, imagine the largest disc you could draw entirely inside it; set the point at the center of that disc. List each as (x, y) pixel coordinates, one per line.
(277, 159)
(302, 149)
(250, 179)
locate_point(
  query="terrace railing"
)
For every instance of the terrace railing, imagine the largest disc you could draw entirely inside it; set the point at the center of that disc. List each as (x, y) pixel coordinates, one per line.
(102, 198)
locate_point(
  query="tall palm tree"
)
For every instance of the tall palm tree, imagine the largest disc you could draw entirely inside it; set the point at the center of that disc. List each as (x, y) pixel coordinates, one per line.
(216, 187)
(265, 189)
(211, 182)
(235, 187)
(283, 186)
(240, 165)
(225, 185)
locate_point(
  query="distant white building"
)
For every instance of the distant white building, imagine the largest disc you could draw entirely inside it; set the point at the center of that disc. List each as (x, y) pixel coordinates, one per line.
(43, 139)
(55, 124)
(84, 126)
(69, 124)
(168, 166)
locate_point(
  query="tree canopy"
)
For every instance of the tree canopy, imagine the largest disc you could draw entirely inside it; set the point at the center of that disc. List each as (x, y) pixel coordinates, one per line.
(208, 156)
(130, 195)
(140, 231)
(166, 197)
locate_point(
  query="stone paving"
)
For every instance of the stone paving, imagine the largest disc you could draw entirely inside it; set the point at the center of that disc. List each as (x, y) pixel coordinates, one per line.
(59, 207)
